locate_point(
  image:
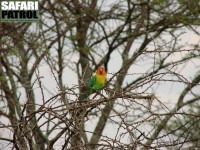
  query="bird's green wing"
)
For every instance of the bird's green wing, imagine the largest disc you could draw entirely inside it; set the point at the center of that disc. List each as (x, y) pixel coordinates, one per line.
(90, 85)
(91, 82)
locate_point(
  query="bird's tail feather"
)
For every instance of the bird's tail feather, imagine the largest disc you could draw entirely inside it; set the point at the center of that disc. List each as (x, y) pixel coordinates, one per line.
(85, 95)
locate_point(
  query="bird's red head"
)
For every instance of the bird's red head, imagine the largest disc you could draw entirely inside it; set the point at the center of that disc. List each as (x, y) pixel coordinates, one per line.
(101, 71)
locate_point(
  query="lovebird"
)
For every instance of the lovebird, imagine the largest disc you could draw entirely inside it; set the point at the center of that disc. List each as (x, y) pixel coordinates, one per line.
(96, 83)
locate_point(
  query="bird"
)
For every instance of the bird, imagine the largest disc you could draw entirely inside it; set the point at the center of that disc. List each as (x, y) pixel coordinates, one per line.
(96, 82)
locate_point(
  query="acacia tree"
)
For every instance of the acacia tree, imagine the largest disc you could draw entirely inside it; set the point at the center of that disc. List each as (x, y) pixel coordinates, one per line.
(80, 36)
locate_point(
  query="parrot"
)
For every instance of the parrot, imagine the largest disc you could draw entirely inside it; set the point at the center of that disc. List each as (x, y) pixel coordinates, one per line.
(96, 82)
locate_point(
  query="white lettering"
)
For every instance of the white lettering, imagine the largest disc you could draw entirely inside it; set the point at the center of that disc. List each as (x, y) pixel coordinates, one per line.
(4, 5)
(19, 5)
(30, 5)
(11, 6)
(36, 5)
(23, 6)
